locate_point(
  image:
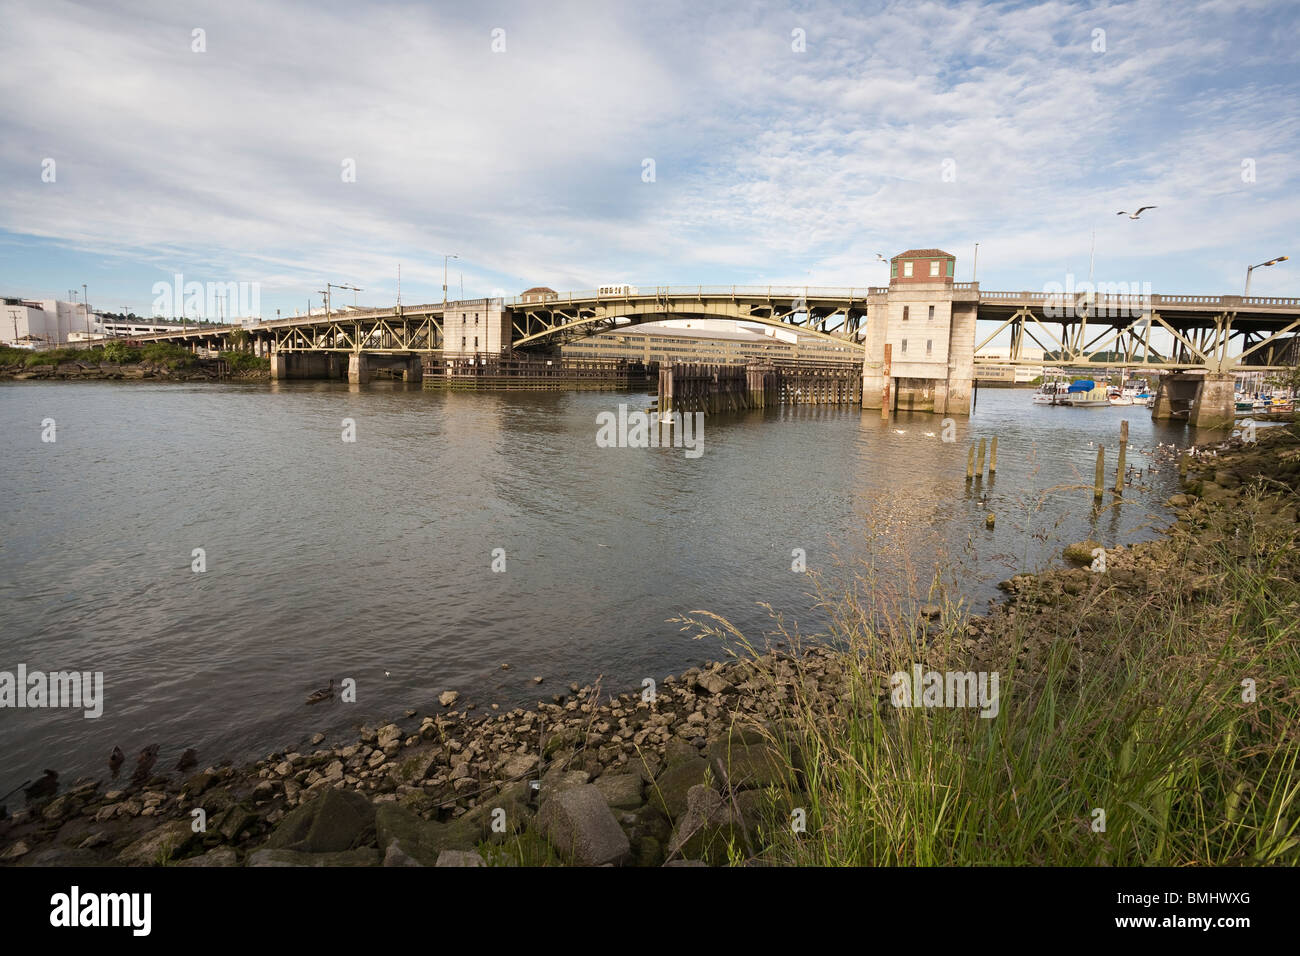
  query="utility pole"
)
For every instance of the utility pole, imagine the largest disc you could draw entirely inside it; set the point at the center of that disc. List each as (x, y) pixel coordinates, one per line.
(975, 263)
(85, 304)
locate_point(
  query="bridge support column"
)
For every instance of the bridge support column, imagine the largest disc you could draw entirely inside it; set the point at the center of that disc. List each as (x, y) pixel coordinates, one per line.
(335, 370)
(279, 365)
(1214, 405)
(358, 369)
(415, 368)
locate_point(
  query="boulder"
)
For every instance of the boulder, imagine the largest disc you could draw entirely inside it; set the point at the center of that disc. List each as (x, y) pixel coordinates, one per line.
(709, 830)
(1081, 552)
(622, 791)
(582, 829)
(460, 858)
(366, 856)
(418, 839)
(221, 856)
(334, 821)
(159, 846)
(668, 791)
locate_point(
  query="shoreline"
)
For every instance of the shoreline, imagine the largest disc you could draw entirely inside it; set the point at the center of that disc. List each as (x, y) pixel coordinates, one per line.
(621, 772)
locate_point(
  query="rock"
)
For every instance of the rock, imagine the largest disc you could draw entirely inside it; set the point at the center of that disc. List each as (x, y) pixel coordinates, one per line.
(396, 856)
(517, 766)
(622, 791)
(460, 858)
(930, 611)
(537, 680)
(1178, 501)
(336, 820)
(159, 846)
(222, 856)
(558, 780)
(419, 839)
(582, 829)
(448, 697)
(390, 735)
(416, 768)
(749, 766)
(669, 790)
(96, 839)
(16, 850)
(317, 739)
(1081, 552)
(275, 857)
(708, 830)
(713, 683)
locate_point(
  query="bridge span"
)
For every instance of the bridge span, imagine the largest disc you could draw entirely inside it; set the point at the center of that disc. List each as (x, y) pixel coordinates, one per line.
(935, 329)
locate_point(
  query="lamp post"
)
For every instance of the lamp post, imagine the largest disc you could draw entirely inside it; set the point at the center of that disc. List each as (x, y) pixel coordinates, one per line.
(1250, 269)
(444, 279)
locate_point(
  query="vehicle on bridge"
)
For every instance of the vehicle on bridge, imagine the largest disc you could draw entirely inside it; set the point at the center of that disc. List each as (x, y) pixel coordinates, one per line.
(617, 290)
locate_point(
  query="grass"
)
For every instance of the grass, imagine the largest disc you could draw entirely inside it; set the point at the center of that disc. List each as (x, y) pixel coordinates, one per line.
(1126, 735)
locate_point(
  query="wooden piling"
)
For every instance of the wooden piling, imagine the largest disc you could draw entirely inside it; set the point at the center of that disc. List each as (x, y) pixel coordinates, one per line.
(1123, 446)
(979, 470)
(1099, 484)
(993, 456)
(970, 462)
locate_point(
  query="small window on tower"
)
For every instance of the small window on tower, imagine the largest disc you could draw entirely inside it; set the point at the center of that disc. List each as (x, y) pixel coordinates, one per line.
(949, 268)
(907, 269)
(905, 308)
(893, 270)
(934, 267)
(929, 346)
(931, 315)
(904, 347)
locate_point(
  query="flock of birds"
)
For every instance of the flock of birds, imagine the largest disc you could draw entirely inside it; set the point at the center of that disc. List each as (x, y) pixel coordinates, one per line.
(48, 784)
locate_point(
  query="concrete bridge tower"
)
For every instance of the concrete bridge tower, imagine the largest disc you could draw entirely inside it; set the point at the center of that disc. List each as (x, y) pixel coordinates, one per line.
(932, 334)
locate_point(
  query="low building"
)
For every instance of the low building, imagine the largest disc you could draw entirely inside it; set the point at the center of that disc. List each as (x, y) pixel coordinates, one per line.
(539, 293)
(48, 321)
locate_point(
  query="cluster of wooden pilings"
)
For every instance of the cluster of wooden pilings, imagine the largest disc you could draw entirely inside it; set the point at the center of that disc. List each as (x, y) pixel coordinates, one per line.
(974, 469)
(689, 387)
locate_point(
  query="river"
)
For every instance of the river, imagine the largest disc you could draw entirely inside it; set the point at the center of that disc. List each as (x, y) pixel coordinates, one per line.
(373, 559)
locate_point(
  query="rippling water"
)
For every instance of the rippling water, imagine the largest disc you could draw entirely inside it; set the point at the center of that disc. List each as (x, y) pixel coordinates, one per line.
(328, 559)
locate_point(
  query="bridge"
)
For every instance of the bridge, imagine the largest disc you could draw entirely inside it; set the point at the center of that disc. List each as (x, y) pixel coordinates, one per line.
(1203, 328)
(1190, 339)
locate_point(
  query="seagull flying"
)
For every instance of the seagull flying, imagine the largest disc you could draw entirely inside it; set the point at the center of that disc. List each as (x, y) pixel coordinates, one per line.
(1134, 215)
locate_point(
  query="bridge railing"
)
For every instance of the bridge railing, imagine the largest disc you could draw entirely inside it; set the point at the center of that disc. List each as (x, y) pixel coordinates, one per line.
(636, 292)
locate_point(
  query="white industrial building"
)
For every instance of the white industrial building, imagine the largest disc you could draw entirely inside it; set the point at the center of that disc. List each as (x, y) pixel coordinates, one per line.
(33, 324)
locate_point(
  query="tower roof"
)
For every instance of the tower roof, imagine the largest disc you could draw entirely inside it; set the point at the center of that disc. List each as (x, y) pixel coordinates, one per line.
(923, 254)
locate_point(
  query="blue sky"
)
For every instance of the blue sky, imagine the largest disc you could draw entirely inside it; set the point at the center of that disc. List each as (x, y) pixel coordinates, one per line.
(772, 166)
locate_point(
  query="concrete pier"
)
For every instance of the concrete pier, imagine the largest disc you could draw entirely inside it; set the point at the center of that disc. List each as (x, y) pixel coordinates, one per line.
(1214, 406)
(358, 369)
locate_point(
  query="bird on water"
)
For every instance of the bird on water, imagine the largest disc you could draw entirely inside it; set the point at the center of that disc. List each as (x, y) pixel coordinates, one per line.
(324, 693)
(189, 760)
(144, 764)
(46, 787)
(115, 761)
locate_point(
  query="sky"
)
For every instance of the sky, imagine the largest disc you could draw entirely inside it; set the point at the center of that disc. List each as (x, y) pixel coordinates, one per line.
(290, 144)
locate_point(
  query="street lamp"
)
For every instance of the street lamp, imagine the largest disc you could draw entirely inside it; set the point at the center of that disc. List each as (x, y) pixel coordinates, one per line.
(1250, 269)
(444, 279)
